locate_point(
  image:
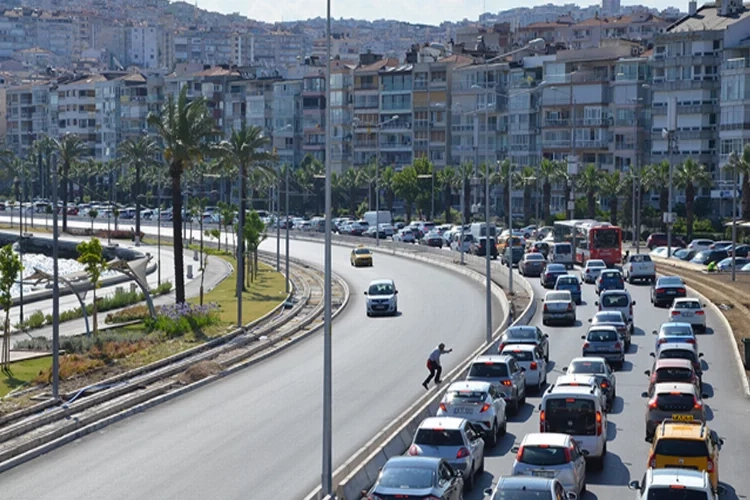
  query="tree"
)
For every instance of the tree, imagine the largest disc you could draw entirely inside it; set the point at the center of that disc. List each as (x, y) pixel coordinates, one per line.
(406, 187)
(547, 174)
(689, 176)
(185, 127)
(351, 183)
(501, 178)
(10, 269)
(742, 164)
(43, 148)
(226, 219)
(386, 185)
(657, 177)
(612, 185)
(526, 179)
(138, 154)
(254, 233)
(464, 174)
(446, 179)
(589, 181)
(91, 255)
(70, 148)
(93, 214)
(562, 176)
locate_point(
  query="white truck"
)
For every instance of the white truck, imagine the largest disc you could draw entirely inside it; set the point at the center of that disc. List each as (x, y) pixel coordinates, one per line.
(383, 218)
(638, 267)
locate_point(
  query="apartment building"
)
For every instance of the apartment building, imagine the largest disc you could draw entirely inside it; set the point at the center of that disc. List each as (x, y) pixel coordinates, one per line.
(30, 113)
(396, 136)
(23, 28)
(212, 47)
(341, 115)
(287, 121)
(314, 115)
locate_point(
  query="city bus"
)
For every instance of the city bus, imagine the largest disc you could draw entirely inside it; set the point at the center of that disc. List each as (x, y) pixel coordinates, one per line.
(591, 239)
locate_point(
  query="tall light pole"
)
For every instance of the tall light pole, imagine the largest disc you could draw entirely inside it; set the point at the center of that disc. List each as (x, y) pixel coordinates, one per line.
(733, 161)
(19, 195)
(327, 468)
(635, 174)
(669, 134)
(488, 255)
(510, 228)
(55, 287)
(286, 230)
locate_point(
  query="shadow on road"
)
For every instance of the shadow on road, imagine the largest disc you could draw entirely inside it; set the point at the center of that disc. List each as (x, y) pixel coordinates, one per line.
(709, 331)
(708, 390)
(731, 494)
(611, 431)
(614, 472)
(503, 446)
(524, 413)
(633, 349)
(638, 331)
(618, 406)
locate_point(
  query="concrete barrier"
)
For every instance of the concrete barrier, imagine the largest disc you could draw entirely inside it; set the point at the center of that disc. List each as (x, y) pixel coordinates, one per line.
(360, 471)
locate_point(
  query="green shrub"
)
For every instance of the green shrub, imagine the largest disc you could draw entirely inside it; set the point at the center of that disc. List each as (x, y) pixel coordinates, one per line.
(34, 344)
(133, 313)
(36, 320)
(178, 319)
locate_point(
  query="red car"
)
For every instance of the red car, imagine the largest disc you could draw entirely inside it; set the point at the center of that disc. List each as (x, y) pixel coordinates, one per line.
(660, 240)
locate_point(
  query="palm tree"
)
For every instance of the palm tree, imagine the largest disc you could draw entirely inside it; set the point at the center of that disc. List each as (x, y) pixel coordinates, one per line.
(589, 181)
(501, 177)
(525, 179)
(351, 182)
(464, 174)
(742, 164)
(386, 185)
(562, 176)
(185, 129)
(446, 179)
(43, 149)
(547, 174)
(138, 154)
(245, 149)
(689, 176)
(70, 148)
(657, 177)
(612, 185)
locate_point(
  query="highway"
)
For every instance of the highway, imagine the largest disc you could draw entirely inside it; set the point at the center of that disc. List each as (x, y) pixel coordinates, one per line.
(627, 450)
(257, 434)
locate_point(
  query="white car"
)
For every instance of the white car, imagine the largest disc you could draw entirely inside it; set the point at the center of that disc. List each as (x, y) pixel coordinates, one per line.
(592, 269)
(530, 358)
(559, 306)
(551, 454)
(478, 402)
(617, 300)
(700, 244)
(639, 267)
(662, 483)
(689, 310)
(583, 379)
(405, 235)
(382, 298)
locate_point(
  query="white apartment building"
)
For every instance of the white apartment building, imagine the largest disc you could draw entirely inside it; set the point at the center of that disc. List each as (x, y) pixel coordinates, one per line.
(143, 46)
(30, 113)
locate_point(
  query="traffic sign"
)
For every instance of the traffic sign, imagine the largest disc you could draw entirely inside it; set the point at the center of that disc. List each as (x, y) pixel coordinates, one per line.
(669, 217)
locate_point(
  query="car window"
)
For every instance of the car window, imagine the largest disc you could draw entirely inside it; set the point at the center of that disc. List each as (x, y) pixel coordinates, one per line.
(615, 300)
(640, 258)
(610, 274)
(362, 251)
(595, 264)
(519, 355)
(558, 296)
(534, 256)
(522, 495)
(465, 397)
(567, 281)
(669, 493)
(381, 289)
(521, 333)
(687, 305)
(676, 331)
(674, 375)
(677, 354)
(407, 477)
(602, 336)
(611, 316)
(439, 437)
(681, 447)
(586, 367)
(669, 281)
(488, 370)
(543, 455)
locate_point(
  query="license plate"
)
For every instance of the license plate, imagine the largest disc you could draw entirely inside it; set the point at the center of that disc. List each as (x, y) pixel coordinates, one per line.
(671, 292)
(542, 473)
(602, 349)
(686, 314)
(462, 411)
(682, 418)
(381, 308)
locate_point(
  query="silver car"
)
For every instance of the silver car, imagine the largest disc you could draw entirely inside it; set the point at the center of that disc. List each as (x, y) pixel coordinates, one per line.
(675, 333)
(592, 269)
(456, 440)
(604, 341)
(382, 298)
(673, 400)
(552, 455)
(559, 306)
(505, 374)
(617, 300)
(478, 402)
(689, 310)
(616, 319)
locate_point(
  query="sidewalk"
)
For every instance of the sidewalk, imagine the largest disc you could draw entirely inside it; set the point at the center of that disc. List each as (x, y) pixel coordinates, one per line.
(216, 271)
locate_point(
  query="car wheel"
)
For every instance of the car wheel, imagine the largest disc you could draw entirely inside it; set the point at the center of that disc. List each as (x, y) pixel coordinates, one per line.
(492, 438)
(469, 483)
(503, 428)
(368, 315)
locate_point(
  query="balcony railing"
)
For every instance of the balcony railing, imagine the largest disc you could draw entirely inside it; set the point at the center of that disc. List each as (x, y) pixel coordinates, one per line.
(553, 122)
(736, 63)
(359, 143)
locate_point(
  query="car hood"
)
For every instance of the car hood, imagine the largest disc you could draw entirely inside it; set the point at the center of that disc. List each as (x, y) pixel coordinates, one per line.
(381, 297)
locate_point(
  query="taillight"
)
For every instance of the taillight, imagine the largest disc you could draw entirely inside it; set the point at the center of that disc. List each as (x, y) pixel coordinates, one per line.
(507, 383)
(659, 290)
(502, 344)
(519, 454)
(586, 345)
(690, 341)
(652, 461)
(618, 345)
(533, 365)
(443, 407)
(604, 385)
(662, 341)
(414, 450)
(570, 306)
(675, 313)
(485, 408)
(680, 290)
(699, 313)
(541, 421)
(652, 404)
(567, 455)
(462, 452)
(697, 405)
(710, 465)
(598, 423)
(546, 308)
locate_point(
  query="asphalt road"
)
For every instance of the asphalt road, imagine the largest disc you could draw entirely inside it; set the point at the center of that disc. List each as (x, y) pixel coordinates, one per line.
(257, 434)
(627, 450)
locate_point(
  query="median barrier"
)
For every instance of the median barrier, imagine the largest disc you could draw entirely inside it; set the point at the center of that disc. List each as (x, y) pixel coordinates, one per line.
(360, 471)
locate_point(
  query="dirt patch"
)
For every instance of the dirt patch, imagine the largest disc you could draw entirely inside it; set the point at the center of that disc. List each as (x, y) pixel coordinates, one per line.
(198, 372)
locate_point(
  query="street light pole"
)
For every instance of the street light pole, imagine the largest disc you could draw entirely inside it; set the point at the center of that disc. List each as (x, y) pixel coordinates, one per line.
(286, 230)
(55, 287)
(20, 253)
(278, 226)
(488, 255)
(734, 221)
(158, 235)
(510, 229)
(671, 148)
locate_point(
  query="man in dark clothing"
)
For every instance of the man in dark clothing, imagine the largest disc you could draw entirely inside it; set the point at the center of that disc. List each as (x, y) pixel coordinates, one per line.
(433, 364)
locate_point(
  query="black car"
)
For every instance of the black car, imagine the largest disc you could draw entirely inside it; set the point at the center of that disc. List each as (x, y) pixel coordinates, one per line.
(550, 274)
(480, 248)
(707, 257)
(667, 288)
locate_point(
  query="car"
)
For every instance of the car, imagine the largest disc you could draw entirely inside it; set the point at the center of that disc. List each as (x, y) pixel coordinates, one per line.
(559, 307)
(688, 445)
(561, 253)
(678, 401)
(532, 264)
(660, 239)
(599, 368)
(638, 267)
(525, 487)
(676, 484)
(666, 289)
(663, 252)
(525, 334)
(405, 235)
(425, 477)
(512, 255)
(550, 274)
(570, 283)
(684, 254)
(531, 359)
(382, 298)
(479, 247)
(672, 370)
(478, 402)
(740, 251)
(432, 239)
(552, 455)
(604, 342)
(681, 351)
(592, 269)
(726, 264)
(578, 412)
(456, 440)
(699, 244)
(505, 374)
(541, 247)
(707, 257)
(673, 332)
(617, 300)
(616, 319)
(720, 245)
(609, 279)
(689, 310)
(360, 256)
(585, 381)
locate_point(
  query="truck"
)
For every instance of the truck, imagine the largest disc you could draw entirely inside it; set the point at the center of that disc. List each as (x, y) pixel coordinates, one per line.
(638, 267)
(383, 218)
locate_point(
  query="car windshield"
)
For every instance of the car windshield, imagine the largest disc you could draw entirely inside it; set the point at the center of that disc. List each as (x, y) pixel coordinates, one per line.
(677, 354)
(669, 493)
(586, 367)
(522, 495)
(521, 333)
(668, 401)
(565, 296)
(669, 281)
(674, 375)
(608, 317)
(439, 437)
(602, 336)
(681, 447)
(543, 455)
(640, 258)
(615, 300)
(575, 416)
(610, 275)
(519, 354)
(563, 248)
(534, 256)
(488, 370)
(556, 268)
(407, 478)
(691, 304)
(381, 289)
(606, 238)
(567, 281)
(362, 251)
(676, 331)
(595, 264)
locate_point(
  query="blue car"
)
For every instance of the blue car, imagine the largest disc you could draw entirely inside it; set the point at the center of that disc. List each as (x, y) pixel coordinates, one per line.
(609, 279)
(726, 264)
(570, 283)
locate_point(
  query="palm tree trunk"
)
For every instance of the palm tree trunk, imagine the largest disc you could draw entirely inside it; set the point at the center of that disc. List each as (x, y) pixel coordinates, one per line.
(138, 203)
(467, 202)
(64, 196)
(591, 201)
(614, 207)
(447, 200)
(526, 206)
(566, 196)
(689, 217)
(546, 200)
(663, 205)
(175, 171)
(240, 229)
(745, 197)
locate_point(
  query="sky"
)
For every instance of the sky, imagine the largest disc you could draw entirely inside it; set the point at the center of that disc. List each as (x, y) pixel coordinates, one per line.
(414, 11)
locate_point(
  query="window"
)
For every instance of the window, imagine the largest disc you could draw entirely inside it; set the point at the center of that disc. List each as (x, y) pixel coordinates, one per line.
(435, 437)
(488, 370)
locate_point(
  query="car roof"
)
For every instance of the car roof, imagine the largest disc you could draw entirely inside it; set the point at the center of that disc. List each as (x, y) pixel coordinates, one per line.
(381, 282)
(684, 477)
(471, 385)
(596, 261)
(681, 387)
(686, 299)
(673, 363)
(452, 423)
(521, 328)
(493, 358)
(412, 461)
(578, 378)
(675, 324)
(520, 483)
(519, 347)
(567, 276)
(677, 345)
(603, 327)
(550, 438)
(614, 292)
(583, 359)
(683, 430)
(570, 390)
(552, 267)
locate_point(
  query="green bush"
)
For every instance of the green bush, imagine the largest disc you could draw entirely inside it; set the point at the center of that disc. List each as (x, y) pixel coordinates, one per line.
(34, 344)
(133, 313)
(211, 251)
(178, 319)
(36, 320)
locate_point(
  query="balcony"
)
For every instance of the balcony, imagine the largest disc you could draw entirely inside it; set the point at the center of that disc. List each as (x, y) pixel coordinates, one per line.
(737, 63)
(556, 143)
(365, 143)
(366, 86)
(405, 143)
(735, 126)
(685, 109)
(420, 84)
(556, 123)
(593, 144)
(396, 125)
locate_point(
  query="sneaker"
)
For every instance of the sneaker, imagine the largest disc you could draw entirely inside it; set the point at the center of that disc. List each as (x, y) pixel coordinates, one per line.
(424, 384)
(438, 382)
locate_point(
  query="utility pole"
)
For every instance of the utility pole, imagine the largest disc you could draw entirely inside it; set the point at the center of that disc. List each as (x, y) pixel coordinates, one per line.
(55, 288)
(669, 134)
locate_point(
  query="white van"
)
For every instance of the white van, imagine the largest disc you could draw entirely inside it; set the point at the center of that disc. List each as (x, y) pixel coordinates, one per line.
(576, 411)
(561, 253)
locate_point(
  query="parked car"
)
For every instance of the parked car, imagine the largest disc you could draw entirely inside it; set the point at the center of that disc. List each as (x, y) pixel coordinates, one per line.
(699, 244)
(707, 257)
(726, 264)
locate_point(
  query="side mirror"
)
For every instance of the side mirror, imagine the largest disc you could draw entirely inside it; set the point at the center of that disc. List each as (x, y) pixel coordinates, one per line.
(571, 496)
(589, 320)
(539, 407)
(700, 354)
(565, 368)
(652, 354)
(583, 337)
(644, 394)
(395, 292)
(654, 332)
(721, 441)
(634, 485)
(365, 292)
(721, 490)
(585, 453)
(546, 336)
(487, 491)
(541, 300)
(704, 396)
(632, 303)
(596, 303)
(459, 473)
(704, 305)
(523, 370)
(514, 449)
(648, 373)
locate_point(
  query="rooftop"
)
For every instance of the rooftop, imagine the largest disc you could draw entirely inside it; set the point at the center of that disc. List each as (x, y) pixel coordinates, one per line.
(707, 18)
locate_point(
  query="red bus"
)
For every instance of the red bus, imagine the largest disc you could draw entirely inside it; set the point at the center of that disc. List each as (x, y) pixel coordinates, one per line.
(593, 240)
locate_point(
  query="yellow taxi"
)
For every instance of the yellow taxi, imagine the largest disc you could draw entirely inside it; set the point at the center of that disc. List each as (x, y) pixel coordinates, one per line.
(360, 256)
(686, 445)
